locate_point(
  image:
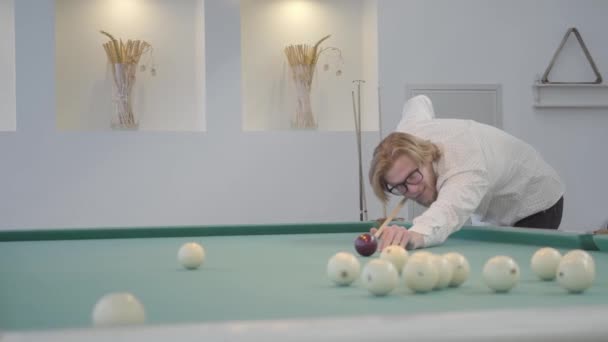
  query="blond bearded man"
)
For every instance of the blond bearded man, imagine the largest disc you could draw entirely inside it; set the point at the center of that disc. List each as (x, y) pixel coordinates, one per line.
(460, 169)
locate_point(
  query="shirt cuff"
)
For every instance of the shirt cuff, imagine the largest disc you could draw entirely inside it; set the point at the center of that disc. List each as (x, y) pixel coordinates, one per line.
(429, 235)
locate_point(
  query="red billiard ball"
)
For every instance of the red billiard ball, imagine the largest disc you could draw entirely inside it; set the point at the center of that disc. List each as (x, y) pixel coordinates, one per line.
(366, 244)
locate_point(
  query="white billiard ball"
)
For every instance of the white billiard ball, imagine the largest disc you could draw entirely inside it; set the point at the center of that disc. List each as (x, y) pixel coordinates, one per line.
(422, 254)
(461, 268)
(576, 274)
(420, 274)
(118, 308)
(395, 254)
(579, 254)
(445, 269)
(501, 273)
(343, 268)
(191, 255)
(379, 277)
(544, 263)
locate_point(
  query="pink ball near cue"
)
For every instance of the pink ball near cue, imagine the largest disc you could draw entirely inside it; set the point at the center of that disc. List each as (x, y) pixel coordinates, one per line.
(366, 244)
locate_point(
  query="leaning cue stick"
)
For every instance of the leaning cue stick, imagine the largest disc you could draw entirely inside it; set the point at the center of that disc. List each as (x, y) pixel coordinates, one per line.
(391, 217)
(362, 183)
(380, 133)
(358, 157)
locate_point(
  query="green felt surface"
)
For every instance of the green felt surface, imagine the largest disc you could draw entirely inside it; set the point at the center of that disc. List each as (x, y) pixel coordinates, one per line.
(50, 284)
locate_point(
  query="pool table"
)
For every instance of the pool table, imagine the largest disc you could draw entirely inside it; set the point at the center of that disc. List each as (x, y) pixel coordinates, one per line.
(268, 282)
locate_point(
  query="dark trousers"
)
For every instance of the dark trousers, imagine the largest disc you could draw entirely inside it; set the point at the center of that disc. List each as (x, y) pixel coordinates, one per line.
(546, 219)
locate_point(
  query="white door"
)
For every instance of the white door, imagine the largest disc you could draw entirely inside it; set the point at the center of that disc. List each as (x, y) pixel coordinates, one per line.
(479, 102)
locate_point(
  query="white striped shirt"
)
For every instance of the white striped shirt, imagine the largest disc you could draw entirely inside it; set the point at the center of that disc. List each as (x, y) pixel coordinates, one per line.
(483, 172)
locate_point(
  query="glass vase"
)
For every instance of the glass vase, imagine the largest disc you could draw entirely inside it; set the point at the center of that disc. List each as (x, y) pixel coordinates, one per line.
(302, 77)
(124, 76)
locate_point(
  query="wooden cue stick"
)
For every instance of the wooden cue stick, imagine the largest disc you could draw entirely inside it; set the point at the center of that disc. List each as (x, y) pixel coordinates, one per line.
(391, 217)
(358, 158)
(380, 133)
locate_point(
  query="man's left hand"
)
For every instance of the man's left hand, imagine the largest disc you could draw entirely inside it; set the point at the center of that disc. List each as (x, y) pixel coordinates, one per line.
(397, 235)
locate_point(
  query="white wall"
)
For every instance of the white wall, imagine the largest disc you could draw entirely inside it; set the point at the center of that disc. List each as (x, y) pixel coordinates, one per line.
(52, 178)
(84, 179)
(509, 42)
(7, 67)
(173, 100)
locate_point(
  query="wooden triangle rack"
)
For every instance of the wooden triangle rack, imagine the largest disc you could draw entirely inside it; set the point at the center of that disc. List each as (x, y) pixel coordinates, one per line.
(598, 79)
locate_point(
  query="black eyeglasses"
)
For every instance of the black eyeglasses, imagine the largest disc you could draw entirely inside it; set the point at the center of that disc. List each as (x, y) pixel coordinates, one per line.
(413, 178)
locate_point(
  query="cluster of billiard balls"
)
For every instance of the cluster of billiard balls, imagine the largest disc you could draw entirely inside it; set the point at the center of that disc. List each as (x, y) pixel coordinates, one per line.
(421, 272)
(124, 308)
(424, 271)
